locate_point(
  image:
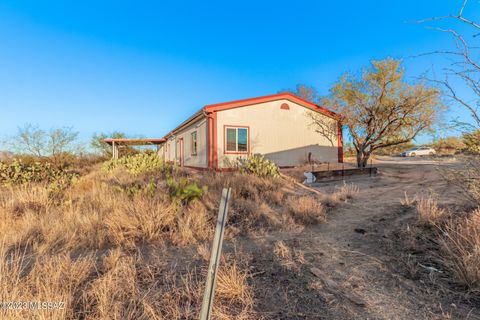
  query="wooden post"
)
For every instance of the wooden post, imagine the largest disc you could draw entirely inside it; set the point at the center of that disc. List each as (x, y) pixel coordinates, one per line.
(209, 294)
(371, 165)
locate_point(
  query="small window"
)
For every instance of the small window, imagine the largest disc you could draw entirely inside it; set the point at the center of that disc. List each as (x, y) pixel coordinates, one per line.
(194, 143)
(236, 140)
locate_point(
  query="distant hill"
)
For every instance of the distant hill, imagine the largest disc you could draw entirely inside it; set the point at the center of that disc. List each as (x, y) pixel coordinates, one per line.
(4, 155)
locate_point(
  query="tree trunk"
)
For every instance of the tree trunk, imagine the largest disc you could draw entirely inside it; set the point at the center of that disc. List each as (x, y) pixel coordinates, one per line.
(362, 158)
(359, 159)
(366, 156)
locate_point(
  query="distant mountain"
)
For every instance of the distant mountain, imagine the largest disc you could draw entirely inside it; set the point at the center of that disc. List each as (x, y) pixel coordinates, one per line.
(4, 155)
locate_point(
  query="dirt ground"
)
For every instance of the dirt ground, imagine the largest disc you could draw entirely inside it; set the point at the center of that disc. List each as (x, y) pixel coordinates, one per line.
(364, 266)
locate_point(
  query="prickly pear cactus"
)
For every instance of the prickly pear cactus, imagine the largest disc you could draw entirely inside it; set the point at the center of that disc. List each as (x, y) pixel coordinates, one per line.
(258, 165)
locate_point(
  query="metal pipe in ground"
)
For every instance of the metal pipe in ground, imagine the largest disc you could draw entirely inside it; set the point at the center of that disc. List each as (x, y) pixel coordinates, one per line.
(207, 304)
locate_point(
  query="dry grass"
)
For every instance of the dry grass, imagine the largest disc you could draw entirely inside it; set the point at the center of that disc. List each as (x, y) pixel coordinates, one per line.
(289, 258)
(341, 194)
(428, 211)
(461, 246)
(458, 234)
(407, 201)
(86, 247)
(306, 210)
(261, 204)
(117, 285)
(281, 250)
(232, 284)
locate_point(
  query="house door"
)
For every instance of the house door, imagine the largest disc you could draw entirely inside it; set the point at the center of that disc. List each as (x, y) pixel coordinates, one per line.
(180, 152)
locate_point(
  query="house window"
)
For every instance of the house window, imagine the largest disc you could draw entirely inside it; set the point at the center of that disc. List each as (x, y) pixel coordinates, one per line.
(236, 140)
(194, 143)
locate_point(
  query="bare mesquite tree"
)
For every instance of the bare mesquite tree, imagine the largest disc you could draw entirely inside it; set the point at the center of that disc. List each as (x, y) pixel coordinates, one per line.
(34, 141)
(465, 57)
(380, 109)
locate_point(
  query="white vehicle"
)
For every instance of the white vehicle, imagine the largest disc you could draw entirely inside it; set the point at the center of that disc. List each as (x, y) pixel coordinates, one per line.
(420, 151)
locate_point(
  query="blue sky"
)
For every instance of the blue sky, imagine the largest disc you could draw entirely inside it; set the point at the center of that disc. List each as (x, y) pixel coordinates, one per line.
(142, 67)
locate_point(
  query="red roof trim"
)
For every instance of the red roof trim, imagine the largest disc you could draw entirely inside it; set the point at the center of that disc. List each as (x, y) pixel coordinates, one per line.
(136, 141)
(273, 97)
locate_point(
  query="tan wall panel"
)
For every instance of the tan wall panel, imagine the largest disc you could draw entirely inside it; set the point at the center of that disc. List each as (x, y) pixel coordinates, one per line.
(284, 136)
(199, 160)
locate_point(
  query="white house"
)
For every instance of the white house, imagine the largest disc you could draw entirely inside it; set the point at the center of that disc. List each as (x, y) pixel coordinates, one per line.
(277, 126)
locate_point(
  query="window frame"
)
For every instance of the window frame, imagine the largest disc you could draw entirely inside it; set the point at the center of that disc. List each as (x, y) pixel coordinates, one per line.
(194, 143)
(236, 127)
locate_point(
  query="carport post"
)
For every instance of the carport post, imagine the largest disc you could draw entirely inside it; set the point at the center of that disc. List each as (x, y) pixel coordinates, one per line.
(114, 151)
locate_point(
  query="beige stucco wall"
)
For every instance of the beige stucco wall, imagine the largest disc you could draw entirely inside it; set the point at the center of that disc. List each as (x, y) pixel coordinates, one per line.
(199, 160)
(167, 150)
(284, 136)
(161, 150)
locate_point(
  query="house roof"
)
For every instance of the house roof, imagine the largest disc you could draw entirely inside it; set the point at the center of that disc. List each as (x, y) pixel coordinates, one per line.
(246, 102)
(273, 97)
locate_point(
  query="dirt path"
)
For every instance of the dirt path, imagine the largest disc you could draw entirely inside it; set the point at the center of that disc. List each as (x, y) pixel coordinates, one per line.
(362, 276)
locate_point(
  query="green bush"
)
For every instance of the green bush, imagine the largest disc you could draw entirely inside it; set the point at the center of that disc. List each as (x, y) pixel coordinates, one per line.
(184, 191)
(18, 172)
(137, 164)
(472, 142)
(258, 165)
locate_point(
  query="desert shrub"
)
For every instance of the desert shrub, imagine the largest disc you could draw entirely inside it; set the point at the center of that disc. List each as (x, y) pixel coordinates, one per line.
(137, 188)
(258, 165)
(18, 172)
(185, 191)
(472, 142)
(449, 145)
(137, 164)
(467, 179)
(394, 150)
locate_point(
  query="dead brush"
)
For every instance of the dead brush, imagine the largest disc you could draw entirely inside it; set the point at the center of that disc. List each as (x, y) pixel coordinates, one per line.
(407, 201)
(460, 242)
(281, 250)
(467, 179)
(428, 210)
(341, 194)
(288, 258)
(232, 284)
(348, 191)
(306, 210)
(51, 278)
(117, 285)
